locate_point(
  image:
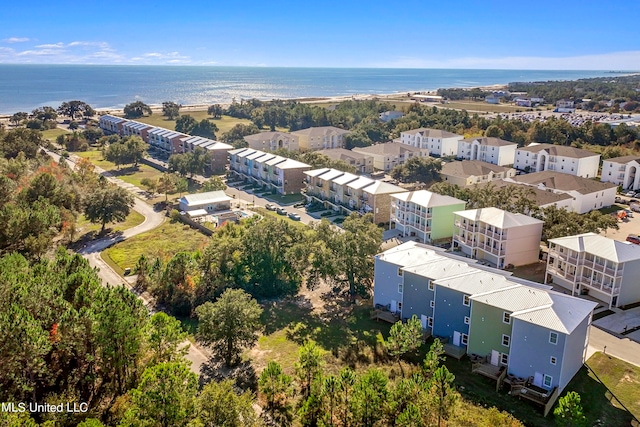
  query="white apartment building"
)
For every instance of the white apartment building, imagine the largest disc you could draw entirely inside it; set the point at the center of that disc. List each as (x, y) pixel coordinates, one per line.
(497, 236)
(586, 194)
(389, 155)
(591, 264)
(320, 138)
(622, 171)
(557, 158)
(491, 150)
(437, 142)
(471, 172)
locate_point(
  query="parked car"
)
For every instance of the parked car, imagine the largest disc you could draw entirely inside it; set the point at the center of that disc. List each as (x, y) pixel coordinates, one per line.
(633, 200)
(621, 201)
(633, 238)
(630, 193)
(294, 216)
(281, 211)
(629, 213)
(635, 207)
(270, 207)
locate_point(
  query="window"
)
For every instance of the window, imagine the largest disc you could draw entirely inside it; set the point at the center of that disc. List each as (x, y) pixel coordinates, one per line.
(547, 381)
(430, 322)
(506, 318)
(553, 360)
(431, 286)
(464, 339)
(432, 303)
(505, 340)
(504, 358)
(467, 320)
(553, 337)
(400, 286)
(400, 271)
(465, 300)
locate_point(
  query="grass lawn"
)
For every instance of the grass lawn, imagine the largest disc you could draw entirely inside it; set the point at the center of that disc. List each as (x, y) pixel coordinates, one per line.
(164, 242)
(484, 107)
(52, 134)
(84, 226)
(265, 212)
(611, 209)
(622, 379)
(224, 124)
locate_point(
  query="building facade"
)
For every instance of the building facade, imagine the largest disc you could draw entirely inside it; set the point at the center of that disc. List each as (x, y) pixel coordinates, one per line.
(497, 236)
(591, 264)
(491, 150)
(272, 141)
(437, 142)
(622, 171)
(471, 172)
(320, 138)
(424, 215)
(557, 158)
(362, 162)
(391, 154)
(282, 175)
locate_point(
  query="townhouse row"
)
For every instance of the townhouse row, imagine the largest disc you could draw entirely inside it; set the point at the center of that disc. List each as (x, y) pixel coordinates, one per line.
(281, 174)
(535, 157)
(169, 141)
(511, 326)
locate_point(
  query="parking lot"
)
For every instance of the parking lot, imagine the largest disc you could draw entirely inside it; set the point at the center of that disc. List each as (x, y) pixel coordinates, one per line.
(630, 225)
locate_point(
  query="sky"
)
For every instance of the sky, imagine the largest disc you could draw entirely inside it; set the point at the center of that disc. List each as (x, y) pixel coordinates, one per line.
(493, 34)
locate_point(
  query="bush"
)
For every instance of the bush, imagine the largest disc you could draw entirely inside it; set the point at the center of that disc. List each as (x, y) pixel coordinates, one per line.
(34, 124)
(175, 215)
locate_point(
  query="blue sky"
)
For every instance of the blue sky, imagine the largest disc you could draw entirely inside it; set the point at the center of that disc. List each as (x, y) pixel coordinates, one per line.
(540, 34)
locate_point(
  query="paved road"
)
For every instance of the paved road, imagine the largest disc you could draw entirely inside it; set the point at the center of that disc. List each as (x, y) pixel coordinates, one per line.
(624, 348)
(91, 252)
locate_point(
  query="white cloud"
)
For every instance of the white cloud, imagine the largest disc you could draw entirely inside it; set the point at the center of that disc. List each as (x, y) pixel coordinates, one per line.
(629, 60)
(16, 40)
(40, 52)
(59, 45)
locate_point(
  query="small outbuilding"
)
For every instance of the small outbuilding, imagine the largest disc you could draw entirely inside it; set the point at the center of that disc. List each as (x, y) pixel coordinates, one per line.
(210, 202)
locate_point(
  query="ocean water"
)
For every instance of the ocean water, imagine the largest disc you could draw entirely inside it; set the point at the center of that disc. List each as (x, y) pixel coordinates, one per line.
(25, 87)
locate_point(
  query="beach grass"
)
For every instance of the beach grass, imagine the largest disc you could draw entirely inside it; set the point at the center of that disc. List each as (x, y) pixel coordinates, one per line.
(162, 242)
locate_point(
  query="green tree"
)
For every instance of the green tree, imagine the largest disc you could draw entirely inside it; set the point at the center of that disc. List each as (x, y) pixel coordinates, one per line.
(309, 365)
(569, 411)
(404, 338)
(220, 406)
(75, 109)
(165, 397)
(167, 184)
(92, 134)
(418, 169)
(108, 204)
(150, 184)
(185, 124)
(18, 118)
(433, 358)
(205, 129)
(136, 110)
(171, 109)
(47, 115)
(165, 339)
(494, 131)
(275, 386)
(235, 135)
(214, 183)
(215, 110)
(229, 324)
(346, 382)
(369, 394)
(443, 395)
(331, 393)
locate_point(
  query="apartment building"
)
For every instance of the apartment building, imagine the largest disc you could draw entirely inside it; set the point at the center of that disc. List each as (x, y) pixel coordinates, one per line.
(132, 128)
(424, 215)
(348, 193)
(557, 158)
(509, 326)
(471, 172)
(603, 268)
(283, 175)
(391, 154)
(320, 138)
(437, 142)
(586, 194)
(272, 141)
(362, 162)
(111, 124)
(497, 236)
(491, 150)
(622, 171)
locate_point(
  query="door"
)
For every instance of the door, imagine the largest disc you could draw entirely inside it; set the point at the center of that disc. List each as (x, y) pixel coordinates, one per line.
(394, 306)
(495, 356)
(424, 321)
(456, 338)
(537, 379)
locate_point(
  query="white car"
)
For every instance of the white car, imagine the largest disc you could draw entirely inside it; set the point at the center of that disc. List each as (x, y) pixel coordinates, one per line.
(630, 193)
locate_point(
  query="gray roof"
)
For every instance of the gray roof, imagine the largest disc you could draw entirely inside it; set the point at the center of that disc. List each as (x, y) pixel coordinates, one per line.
(623, 159)
(490, 141)
(604, 247)
(342, 154)
(320, 131)
(498, 217)
(387, 149)
(267, 136)
(467, 168)
(543, 197)
(563, 182)
(432, 133)
(429, 199)
(559, 150)
(205, 198)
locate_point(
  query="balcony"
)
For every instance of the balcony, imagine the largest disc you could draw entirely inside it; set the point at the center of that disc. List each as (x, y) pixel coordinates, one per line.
(464, 241)
(491, 250)
(622, 169)
(466, 226)
(494, 234)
